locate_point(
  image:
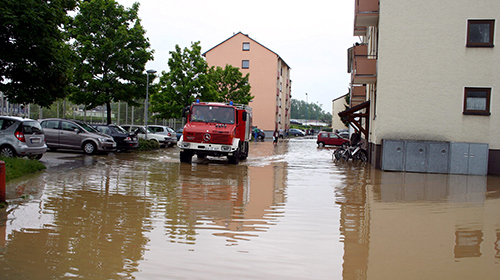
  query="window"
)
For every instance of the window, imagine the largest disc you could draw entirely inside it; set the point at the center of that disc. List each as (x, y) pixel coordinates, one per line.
(245, 64)
(477, 101)
(50, 124)
(480, 33)
(69, 126)
(246, 46)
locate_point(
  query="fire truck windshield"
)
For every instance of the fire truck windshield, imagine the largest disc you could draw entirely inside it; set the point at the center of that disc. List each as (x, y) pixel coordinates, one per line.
(212, 114)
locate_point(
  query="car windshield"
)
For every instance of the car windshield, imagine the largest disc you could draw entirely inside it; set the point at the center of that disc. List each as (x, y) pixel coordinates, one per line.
(30, 127)
(212, 114)
(120, 130)
(87, 127)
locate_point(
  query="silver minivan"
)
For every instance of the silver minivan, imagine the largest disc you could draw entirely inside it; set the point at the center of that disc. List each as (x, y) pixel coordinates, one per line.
(75, 135)
(21, 137)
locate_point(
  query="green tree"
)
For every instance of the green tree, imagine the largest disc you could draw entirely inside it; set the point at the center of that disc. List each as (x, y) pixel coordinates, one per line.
(299, 109)
(230, 84)
(187, 80)
(35, 65)
(112, 52)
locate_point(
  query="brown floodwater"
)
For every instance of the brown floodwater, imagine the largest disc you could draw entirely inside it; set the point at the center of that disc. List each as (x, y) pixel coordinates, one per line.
(287, 212)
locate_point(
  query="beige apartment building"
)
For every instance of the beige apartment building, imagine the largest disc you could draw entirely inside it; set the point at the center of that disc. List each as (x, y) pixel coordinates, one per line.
(269, 78)
(424, 85)
(338, 105)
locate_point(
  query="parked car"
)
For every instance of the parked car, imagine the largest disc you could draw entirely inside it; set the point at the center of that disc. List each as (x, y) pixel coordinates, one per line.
(178, 133)
(330, 138)
(261, 135)
(142, 132)
(75, 135)
(124, 140)
(169, 133)
(344, 134)
(21, 137)
(295, 122)
(296, 132)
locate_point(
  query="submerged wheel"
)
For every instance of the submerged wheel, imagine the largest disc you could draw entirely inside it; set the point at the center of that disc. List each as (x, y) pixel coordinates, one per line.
(337, 155)
(235, 158)
(89, 148)
(363, 156)
(244, 154)
(344, 155)
(38, 156)
(186, 157)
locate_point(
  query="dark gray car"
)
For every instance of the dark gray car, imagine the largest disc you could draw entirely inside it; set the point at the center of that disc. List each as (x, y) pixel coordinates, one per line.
(76, 135)
(21, 137)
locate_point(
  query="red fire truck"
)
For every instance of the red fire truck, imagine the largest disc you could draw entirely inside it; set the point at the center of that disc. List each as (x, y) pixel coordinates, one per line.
(216, 129)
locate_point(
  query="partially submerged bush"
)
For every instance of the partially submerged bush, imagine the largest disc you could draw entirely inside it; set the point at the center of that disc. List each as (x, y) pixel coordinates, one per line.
(148, 145)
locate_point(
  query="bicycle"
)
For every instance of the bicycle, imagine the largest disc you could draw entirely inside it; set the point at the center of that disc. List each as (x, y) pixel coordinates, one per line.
(346, 152)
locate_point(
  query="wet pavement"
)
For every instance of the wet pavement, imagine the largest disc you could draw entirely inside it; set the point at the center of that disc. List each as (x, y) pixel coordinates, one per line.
(287, 212)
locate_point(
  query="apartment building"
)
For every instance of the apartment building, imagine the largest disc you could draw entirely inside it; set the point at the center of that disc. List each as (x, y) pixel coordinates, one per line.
(425, 85)
(339, 104)
(269, 78)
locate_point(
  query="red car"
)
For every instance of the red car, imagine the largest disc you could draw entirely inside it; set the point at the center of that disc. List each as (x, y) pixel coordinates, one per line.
(330, 138)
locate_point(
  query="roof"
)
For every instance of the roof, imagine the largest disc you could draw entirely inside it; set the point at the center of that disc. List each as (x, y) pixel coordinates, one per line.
(204, 54)
(343, 96)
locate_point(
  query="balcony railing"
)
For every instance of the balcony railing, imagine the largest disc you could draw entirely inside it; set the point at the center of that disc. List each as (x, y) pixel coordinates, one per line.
(364, 70)
(358, 95)
(363, 67)
(366, 13)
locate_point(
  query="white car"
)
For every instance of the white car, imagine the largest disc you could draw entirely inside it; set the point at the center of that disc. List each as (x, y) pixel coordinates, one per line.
(166, 131)
(144, 133)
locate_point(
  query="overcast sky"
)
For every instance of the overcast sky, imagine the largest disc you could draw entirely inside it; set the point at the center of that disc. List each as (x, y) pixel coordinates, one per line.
(312, 36)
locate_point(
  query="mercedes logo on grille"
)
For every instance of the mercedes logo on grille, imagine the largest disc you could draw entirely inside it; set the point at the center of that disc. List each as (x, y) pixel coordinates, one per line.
(207, 137)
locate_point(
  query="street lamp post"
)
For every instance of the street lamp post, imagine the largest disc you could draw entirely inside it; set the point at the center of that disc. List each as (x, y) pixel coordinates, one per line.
(146, 103)
(306, 108)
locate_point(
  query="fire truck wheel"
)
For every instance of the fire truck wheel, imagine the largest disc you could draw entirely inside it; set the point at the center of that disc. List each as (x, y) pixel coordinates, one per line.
(186, 157)
(235, 158)
(244, 154)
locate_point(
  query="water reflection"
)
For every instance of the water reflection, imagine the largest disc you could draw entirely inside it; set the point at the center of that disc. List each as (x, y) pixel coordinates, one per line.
(288, 212)
(94, 222)
(416, 226)
(78, 229)
(235, 202)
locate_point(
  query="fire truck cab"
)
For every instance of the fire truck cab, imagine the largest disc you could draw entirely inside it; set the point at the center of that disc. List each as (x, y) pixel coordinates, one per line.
(216, 129)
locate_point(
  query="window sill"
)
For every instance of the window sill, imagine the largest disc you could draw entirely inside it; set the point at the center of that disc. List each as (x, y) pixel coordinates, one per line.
(479, 46)
(477, 113)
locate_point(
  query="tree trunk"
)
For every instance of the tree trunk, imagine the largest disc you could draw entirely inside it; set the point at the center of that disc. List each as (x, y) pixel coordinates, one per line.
(108, 109)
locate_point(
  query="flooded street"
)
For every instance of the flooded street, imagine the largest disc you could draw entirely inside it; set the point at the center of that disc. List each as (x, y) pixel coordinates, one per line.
(287, 212)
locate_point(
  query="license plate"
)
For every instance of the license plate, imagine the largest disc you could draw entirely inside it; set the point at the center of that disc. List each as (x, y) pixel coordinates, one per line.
(211, 148)
(35, 140)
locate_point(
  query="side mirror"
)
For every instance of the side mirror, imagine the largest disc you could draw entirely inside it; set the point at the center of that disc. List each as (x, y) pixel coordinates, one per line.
(244, 116)
(76, 130)
(186, 111)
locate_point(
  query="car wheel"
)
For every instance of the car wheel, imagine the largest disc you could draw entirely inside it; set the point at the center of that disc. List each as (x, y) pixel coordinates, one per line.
(7, 151)
(260, 137)
(39, 156)
(321, 144)
(89, 148)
